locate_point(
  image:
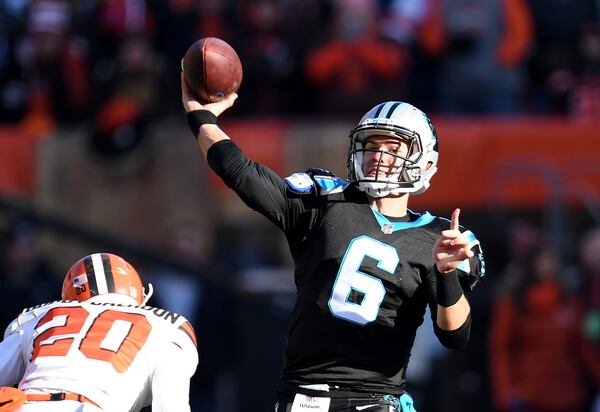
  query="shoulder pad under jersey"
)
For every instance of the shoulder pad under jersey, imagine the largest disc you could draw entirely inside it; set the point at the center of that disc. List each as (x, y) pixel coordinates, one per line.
(323, 180)
(329, 185)
(326, 182)
(27, 315)
(300, 183)
(35, 312)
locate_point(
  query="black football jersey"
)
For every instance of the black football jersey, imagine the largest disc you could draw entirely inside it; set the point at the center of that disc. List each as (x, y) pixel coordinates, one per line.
(362, 287)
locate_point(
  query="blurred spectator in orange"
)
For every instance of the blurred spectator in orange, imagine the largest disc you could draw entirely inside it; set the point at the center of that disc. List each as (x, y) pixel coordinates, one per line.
(55, 67)
(136, 73)
(540, 361)
(118, 28)
(357, 66)
(119, 127)
(481, 47)
(563, 30)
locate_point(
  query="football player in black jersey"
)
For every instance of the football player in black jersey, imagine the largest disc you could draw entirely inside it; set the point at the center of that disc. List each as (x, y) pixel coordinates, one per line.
(366, 266)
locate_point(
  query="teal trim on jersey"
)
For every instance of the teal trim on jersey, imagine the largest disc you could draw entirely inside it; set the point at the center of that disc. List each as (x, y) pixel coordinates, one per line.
(424, 219)
(464, 266)
(406, 403)
(471, 237)
(330, 184)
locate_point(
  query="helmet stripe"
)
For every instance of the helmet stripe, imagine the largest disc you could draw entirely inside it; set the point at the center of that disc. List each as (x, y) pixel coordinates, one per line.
(378, 110)
(384, 109)
(110, 279)
(390, 112)
(99, 273)
(91, 276)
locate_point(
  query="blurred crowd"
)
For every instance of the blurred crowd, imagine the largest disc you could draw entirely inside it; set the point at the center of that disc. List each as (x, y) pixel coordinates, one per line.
(65, 61)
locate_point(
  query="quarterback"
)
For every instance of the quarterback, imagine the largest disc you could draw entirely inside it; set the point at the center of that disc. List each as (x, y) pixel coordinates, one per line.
(366, 266)
(100, 348)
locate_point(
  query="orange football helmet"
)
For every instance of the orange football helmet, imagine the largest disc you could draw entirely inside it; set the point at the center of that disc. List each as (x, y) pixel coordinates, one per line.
(102, 273)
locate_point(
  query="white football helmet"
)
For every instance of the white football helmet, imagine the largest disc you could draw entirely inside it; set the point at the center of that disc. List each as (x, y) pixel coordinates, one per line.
(405, 122)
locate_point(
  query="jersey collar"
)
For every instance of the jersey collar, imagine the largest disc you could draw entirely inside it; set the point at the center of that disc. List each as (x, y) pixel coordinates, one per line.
(389, 227)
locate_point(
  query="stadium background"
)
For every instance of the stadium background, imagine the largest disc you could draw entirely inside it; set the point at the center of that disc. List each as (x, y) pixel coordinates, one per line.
(95, 154)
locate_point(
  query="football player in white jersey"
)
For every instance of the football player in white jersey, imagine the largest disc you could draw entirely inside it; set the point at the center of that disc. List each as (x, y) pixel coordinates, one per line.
(100, 348)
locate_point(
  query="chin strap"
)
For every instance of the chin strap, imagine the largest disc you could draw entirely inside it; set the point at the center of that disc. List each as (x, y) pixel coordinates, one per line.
(149, 294)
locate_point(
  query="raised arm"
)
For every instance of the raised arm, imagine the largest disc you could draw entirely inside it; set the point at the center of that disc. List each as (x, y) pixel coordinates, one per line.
(257, 185)
(203, 117)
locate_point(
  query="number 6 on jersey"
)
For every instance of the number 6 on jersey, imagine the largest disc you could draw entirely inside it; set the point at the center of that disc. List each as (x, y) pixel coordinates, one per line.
(351, 279)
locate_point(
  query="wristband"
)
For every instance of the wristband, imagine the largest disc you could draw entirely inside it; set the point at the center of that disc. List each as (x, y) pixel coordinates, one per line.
(197, 118)
(448, 286)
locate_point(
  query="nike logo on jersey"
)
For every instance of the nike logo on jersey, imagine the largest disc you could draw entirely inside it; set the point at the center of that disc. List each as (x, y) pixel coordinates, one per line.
(360, 408)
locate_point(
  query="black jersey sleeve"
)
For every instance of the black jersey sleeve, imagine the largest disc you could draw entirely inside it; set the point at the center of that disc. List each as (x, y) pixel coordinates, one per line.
(262, 189)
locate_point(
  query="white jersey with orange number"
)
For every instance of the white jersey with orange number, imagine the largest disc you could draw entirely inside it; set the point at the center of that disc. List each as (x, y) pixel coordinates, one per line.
(119, 355)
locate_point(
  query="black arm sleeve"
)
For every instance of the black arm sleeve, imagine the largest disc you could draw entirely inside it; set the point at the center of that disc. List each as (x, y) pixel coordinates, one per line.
(259, 187)
(454, 339)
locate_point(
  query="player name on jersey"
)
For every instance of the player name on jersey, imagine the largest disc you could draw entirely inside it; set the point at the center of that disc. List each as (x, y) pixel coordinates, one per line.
(161, 313)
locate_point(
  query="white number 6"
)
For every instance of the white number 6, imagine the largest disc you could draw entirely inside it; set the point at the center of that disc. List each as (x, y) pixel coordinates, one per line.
(350, 279)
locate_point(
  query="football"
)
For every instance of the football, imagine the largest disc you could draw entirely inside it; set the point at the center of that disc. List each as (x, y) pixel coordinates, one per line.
(212, 69)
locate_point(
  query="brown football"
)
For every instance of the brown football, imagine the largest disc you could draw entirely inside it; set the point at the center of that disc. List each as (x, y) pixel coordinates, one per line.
(212, 69)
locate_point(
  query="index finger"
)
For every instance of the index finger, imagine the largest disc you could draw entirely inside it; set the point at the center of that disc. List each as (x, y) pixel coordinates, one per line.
(454, 219)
